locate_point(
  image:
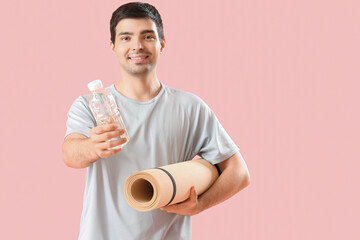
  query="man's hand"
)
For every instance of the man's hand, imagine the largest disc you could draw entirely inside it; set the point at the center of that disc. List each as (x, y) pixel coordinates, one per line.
(80, 151)
(99, 136)
(189, 207)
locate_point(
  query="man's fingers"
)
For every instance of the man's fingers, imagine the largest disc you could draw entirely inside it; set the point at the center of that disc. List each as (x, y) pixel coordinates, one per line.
(105, 128)
(110, 144)
(114, 143)
(170, 208)
(106, 149)
(189, 207)
(109, 135)
(192, 198)
(102, 139)
(193, 195)
(192, 192)
(105, 132)
(108, 153)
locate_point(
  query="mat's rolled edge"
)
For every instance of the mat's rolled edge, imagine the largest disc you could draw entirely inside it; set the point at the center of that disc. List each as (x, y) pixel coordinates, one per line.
(144, 192)
(155, 188)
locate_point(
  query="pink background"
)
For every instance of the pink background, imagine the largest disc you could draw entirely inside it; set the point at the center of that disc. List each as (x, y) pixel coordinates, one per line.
(282, 76)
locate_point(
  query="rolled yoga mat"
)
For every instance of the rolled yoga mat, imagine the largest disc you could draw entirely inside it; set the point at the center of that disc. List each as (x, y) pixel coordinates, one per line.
(159, 187)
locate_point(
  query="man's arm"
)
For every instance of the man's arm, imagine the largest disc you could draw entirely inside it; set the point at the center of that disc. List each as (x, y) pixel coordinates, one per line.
(234, 177)
(80, 151)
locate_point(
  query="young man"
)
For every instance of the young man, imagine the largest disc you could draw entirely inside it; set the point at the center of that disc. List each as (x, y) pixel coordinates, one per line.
(165, 126)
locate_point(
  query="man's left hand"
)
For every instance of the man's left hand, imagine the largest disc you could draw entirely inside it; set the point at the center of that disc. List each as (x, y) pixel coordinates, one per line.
(189, 207)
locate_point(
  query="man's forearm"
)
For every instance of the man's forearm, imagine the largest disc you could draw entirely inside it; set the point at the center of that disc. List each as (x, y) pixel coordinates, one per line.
(234, 178)
(76, 153)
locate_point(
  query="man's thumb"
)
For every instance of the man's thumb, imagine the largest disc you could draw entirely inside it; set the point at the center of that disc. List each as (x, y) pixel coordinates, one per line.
(192, 191)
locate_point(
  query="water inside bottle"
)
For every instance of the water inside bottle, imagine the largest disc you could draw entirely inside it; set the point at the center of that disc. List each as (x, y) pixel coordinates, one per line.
(105, 111)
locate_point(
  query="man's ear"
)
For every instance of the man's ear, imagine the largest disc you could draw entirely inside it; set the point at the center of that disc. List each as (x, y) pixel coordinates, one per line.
(112, 46)
(163, 43)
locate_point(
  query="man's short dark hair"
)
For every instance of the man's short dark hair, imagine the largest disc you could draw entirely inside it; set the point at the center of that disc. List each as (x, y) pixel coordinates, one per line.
(136, 10)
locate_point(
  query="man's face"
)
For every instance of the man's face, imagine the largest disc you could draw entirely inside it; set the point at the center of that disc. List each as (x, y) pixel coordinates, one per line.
(137, 45)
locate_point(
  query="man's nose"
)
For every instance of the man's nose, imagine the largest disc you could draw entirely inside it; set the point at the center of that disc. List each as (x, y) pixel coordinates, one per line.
(137, 44)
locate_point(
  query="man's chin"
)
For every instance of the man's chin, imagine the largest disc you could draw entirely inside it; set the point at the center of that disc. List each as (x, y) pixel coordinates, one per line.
(139, 71)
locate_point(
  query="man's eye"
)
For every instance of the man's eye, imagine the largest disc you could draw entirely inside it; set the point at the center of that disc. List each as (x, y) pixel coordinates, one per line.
(149, 37)
(125, 38)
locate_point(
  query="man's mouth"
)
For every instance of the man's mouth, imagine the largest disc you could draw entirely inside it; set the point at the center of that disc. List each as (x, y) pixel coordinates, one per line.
(138, 58)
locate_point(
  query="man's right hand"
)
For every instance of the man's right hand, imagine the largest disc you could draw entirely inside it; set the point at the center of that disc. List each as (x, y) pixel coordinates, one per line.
(79, 151)
(99, 136)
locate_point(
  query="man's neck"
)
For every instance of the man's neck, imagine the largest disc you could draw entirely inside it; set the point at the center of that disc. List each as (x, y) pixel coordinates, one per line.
(140, 88)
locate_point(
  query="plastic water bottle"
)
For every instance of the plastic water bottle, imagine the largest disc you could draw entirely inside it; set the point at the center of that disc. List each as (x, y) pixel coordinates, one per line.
(103, 107)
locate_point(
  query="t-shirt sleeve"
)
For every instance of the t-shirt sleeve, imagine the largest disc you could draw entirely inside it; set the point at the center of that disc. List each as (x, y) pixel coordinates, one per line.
(80, 119)
(211, 141)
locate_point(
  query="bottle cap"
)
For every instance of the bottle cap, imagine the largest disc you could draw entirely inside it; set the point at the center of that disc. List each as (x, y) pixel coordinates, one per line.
(95, 85)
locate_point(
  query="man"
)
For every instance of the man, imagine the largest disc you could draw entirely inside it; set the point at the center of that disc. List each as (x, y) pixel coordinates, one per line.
(165, 126)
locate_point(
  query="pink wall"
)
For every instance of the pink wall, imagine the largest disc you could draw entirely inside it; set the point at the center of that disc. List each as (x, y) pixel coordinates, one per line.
(282, 76)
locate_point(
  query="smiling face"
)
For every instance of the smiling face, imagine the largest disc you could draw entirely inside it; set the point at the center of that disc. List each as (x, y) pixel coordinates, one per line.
(137, 45)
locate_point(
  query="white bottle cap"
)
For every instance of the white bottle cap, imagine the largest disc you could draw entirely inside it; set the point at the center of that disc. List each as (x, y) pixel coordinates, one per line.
(95, 85)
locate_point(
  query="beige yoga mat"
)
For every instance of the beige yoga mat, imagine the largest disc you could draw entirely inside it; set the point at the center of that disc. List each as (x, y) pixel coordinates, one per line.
(159, 187)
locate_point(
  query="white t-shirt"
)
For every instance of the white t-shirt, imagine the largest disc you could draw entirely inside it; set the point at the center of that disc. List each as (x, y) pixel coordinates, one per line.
(174, 126)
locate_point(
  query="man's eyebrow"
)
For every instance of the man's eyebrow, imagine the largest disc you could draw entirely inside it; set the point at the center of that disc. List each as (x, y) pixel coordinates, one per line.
(142, 32)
